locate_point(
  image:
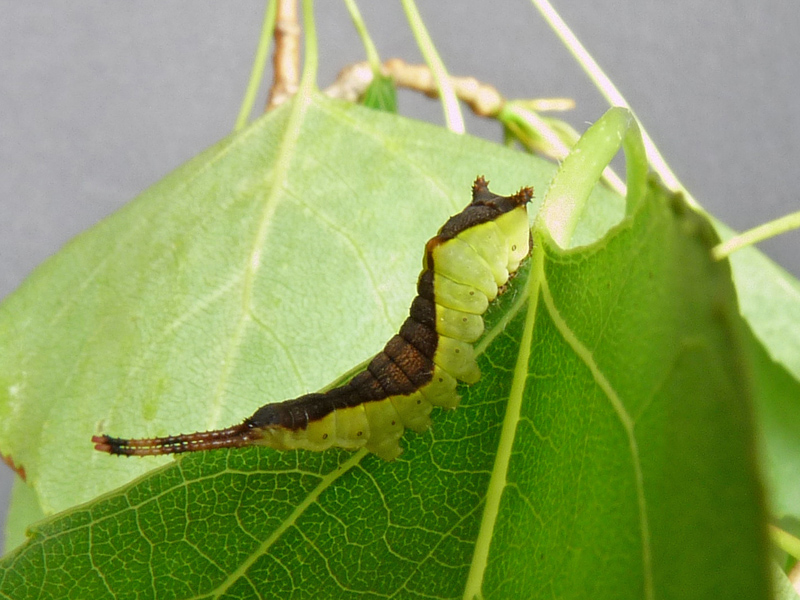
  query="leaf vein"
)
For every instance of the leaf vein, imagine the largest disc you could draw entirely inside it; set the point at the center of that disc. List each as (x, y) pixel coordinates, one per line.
(299, 510)
(625, 419)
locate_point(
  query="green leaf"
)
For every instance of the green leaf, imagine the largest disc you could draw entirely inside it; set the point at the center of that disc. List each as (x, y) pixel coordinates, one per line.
(381, 94)
(607, 449)
(782, 586)
(24, 509)
(777, 395)
(769, 300)
(261, 270)
(644, 376)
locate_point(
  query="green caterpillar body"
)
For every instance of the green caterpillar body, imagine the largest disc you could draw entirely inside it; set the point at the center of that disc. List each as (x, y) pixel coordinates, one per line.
(465, 266)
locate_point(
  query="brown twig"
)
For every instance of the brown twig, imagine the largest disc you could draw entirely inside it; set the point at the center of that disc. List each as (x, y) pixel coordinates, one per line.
(286, 60)
(483, 99)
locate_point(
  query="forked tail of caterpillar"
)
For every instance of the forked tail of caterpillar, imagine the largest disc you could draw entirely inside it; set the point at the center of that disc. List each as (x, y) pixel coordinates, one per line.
(231, 437)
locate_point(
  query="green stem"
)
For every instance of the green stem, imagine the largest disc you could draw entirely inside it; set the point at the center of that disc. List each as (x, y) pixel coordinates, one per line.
(361, 28)
(259, 66)
(785, 541)
(452, 110)
(583, 166)
(757, 234)
(311, 57)
(513, 113)
(538, 135)
(609, 91)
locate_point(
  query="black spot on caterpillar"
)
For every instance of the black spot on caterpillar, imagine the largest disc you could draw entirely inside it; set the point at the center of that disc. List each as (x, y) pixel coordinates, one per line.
(465, 266)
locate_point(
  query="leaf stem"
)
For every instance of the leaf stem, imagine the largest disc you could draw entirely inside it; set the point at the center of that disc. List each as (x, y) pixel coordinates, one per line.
(311, 55)
(538, 135)
(785, 541)
(369, 47)
(259, 66)
(581, 169)
(609, 91)
(757, 234)
(513, 113)
(452, 111)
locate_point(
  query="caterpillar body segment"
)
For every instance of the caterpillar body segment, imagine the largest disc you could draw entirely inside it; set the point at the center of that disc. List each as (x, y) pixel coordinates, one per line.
(383, 417)
(515, 228)
(441, 391)
(414, 410)
(465, 266)
(352, 427)
(458, 296)
(458, 359)
(457, 324)
(488, 242)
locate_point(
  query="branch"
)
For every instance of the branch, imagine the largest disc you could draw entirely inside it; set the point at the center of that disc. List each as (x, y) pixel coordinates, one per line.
(286, 61)
(483, 99)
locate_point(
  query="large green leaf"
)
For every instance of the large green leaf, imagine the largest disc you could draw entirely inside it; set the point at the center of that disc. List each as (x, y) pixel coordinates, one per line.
(261, 270)
(777, 395)
(770, 302)
(607, 450)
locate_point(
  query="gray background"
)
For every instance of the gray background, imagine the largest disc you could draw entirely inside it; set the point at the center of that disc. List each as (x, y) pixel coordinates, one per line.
(98, 100)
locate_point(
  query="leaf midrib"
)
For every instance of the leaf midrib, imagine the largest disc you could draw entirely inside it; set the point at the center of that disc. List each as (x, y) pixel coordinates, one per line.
(498, 481)
(285, 154)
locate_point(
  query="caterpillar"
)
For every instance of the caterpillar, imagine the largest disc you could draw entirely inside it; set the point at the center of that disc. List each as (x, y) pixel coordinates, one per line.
(465, 266)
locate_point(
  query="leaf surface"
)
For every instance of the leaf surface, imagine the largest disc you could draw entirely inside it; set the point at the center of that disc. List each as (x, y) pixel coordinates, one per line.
(607, 449)
(630, 427)
(260, 270)
(769, 299)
